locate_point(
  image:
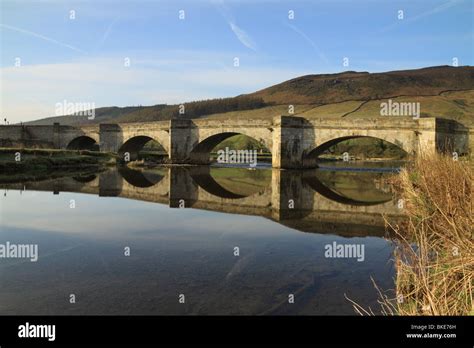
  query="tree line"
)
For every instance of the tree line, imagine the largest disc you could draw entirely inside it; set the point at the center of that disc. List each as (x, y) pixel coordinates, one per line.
(195, 109)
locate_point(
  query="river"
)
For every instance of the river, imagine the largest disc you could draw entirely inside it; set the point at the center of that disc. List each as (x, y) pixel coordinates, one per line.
(199, 240)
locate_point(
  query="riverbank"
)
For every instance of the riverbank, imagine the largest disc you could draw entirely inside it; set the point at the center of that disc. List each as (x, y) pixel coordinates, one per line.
(433, 247)
(33, 164)
(436, 278)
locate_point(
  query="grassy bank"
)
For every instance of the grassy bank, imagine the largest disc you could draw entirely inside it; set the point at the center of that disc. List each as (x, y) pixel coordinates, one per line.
(436, 278)
(25, 164)
(434, 249)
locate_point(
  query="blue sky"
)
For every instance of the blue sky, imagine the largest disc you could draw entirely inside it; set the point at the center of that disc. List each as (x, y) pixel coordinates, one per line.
(174, 60)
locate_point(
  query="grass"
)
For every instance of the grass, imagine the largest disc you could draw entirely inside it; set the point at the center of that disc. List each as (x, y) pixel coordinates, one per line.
(366, 148)
(34, 163)
(331, 110)
(241, 142)
(434, 247)
(267, 112)
(458, 106)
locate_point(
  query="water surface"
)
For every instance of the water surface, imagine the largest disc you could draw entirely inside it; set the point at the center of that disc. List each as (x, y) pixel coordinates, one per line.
(182, 226)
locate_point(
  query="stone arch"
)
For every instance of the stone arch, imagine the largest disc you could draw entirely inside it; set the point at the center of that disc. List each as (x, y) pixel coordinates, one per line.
(159, 135)
(138, 178)
(134, 144)
(335, 196)
(85, 178)
(201, 151)
(210, 185)
(83, 142)
(324, 145)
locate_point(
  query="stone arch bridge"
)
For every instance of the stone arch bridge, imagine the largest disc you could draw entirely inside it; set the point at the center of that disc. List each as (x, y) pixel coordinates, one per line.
(294, 142)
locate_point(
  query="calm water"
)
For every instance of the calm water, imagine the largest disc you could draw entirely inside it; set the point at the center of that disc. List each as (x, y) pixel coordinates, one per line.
(280, 221)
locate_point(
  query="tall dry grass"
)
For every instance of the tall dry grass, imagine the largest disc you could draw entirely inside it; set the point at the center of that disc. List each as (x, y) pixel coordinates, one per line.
(434, 248)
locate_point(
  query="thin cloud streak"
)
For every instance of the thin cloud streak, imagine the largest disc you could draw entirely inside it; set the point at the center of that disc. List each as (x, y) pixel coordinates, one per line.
(320, 53)
(437, 9)
(107, 32)
(42, 37)
(241, 34)
(243, 37)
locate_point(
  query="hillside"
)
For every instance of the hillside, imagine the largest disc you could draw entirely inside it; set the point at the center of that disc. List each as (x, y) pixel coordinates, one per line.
(344, 94)
(336, 88)
(158, 112)
(102, 115)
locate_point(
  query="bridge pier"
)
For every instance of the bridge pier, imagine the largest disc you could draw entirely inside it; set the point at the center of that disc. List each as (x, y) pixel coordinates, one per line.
(183, 136)
(111, 137)
(291, 198)
(110, 184)
(56, 135)
(292, 137)
(183, 191)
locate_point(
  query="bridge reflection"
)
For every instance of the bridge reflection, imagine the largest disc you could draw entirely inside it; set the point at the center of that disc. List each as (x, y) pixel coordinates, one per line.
(310, 201)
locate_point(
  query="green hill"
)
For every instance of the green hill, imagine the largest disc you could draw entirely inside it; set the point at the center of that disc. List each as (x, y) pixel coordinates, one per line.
(442, 91)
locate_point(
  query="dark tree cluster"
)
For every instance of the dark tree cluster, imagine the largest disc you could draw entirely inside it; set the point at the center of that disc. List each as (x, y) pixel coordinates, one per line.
(214, 106)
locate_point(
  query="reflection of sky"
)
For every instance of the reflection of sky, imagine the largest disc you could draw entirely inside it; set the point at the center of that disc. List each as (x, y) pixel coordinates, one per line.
(114, 218)
(100, 216)
(181, 250)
